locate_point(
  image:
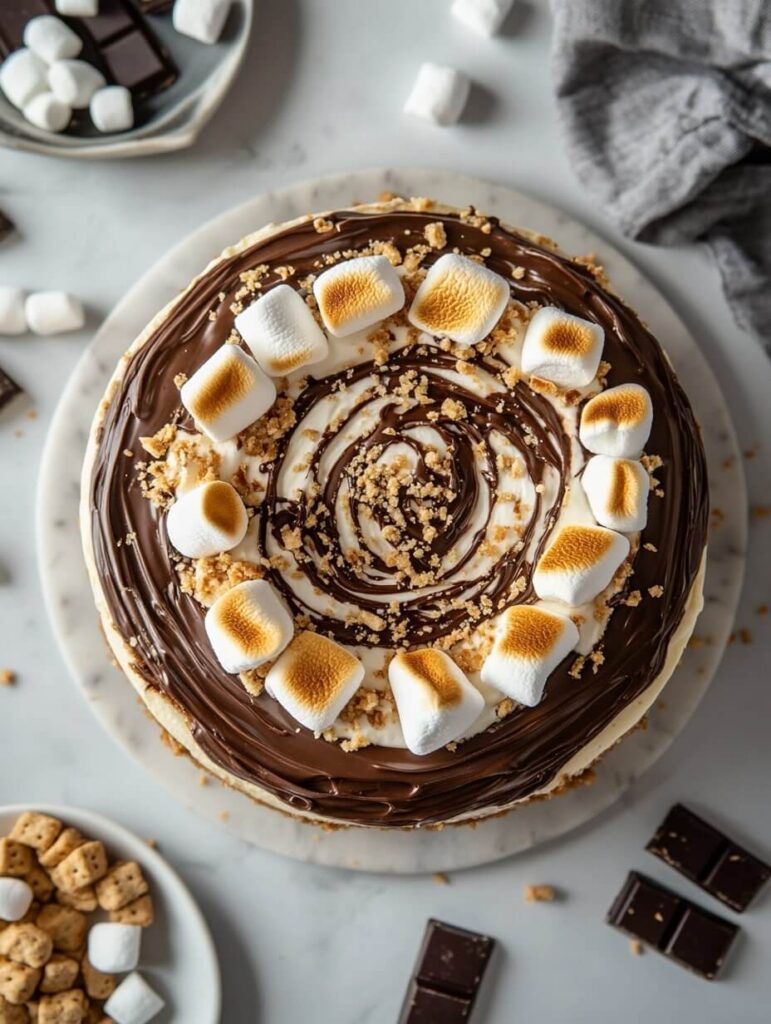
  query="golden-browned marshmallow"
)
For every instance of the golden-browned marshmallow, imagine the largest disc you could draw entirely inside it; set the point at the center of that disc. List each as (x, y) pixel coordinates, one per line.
(280, 331)
(314, 679)
(357, 293)
(562, 348)
(207, 520)
(529, 644)
(617, 421)
(460, 300)
(617, 492)
(435, 700)
(228, 393)
(579, 563)
(248, 625)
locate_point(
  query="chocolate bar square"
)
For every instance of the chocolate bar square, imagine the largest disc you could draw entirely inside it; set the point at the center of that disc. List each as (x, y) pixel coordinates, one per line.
(453, 959)
(14, 15)
(134, 62)
(429, 1006)
(701, 941)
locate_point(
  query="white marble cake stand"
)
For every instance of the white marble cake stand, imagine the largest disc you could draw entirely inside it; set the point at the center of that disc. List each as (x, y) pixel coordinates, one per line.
(114, 701)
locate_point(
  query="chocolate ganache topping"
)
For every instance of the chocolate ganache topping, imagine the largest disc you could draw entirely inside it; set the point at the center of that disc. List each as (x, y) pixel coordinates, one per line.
(252, 737)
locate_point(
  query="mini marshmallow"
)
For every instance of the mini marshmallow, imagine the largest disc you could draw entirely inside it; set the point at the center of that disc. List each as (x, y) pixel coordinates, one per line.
(314, 679)
(54, 313)
(114, 948)
(133, 1002)
(15, 899)
(459, 299)
(13, 319)
(203, 20)
(78, 8)
(617, 492)
(435, 700)
(529, 644)
(357, 293)
(74, 82)
(579, 564)
(48, 113)
(562, 348)
(228, 393)
(22, 77)
(112, 109)
(484, 16)
(439, 94)
(51, 39)
(281, 332)
(208, 520)
(248, 625)
(617, 421)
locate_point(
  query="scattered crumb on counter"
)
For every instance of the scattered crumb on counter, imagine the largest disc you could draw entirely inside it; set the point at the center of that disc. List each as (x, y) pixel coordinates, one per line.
(636, 947)
(441, 878)
(224, 815)
(203, 780)
(760, 511)
(540, 894)
(152, 843)
(762, 610)
(7, 677)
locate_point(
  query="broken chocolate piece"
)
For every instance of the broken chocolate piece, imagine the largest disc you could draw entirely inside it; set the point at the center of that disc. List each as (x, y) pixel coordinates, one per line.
(447, 976)
(675, 927)
(708, 857)
(9, 389)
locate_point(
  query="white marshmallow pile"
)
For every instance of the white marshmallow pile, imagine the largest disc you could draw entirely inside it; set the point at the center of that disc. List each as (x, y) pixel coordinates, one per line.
(435, 700)
(281, 332)
(314, 679)
(562, 348)
(459, 299)
(529, 644)
(439, 94)
(22, 77)
(114, 948)
(54, 312)
(617, 492)
(15, 899)
(248, 625)
(52, 40)
(617, 421)
(208, 520)
(13, 319)
(579, 563)
(483, 16)
(112, 109)
(357, 293)
(74, 82)
(77, 8)
(228, 393)
(203, 20)
(133, 1002)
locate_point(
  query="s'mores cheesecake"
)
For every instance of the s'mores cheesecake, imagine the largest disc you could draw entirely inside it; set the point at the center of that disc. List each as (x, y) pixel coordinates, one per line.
(396, 516)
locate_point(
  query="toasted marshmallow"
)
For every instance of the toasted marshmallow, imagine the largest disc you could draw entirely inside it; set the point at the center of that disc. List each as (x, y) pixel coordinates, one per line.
(314, 679)
(562, 348)
(617, 492)
(357, 293)
(207, 520)
(529, 644)
(439, 94)
(133, 1002)
(483, 16)
(617, 421)
(248, 625)
(459, 299)
(281, 332)
(228, 393)
(435, 700)
(579, 564)
(23, 77)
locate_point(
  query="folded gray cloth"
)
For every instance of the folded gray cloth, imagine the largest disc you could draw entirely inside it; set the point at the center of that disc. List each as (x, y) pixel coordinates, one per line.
(666, 108)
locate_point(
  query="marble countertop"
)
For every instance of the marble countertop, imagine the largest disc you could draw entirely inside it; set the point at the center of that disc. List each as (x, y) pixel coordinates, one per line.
(307, 943)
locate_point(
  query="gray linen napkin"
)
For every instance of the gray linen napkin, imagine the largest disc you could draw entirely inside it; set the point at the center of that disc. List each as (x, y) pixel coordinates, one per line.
(666, 110)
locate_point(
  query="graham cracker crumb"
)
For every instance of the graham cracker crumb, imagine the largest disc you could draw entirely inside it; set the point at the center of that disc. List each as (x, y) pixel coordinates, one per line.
(7, 677)
(540, 894)
(636, 947)
(441, 878)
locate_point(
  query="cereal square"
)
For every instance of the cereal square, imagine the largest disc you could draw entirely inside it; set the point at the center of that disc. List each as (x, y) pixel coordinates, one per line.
(36, 830)
(84, 866)
(139, 911)
(40, 882)
(59, 974)
(66, 926)
(123, 884)
(10, 1014)
(68, 840)
(98, 985)
(17, 981)
(84, 899)
(63, 1008)
(16, 859)
(26, 944)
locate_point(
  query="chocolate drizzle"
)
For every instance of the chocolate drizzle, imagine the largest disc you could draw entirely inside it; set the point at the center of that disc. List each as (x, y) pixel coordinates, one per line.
(251, 737)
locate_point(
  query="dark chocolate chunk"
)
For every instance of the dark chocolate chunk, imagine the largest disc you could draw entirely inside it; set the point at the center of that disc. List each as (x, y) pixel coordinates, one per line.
(675, 927)
(9, 389)
(133, 61)
(14, 15)
(709, 858)
(449, 970)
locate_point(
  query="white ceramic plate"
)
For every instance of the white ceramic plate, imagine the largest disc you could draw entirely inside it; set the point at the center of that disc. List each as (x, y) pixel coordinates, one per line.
(178, 957)
(113, 699)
